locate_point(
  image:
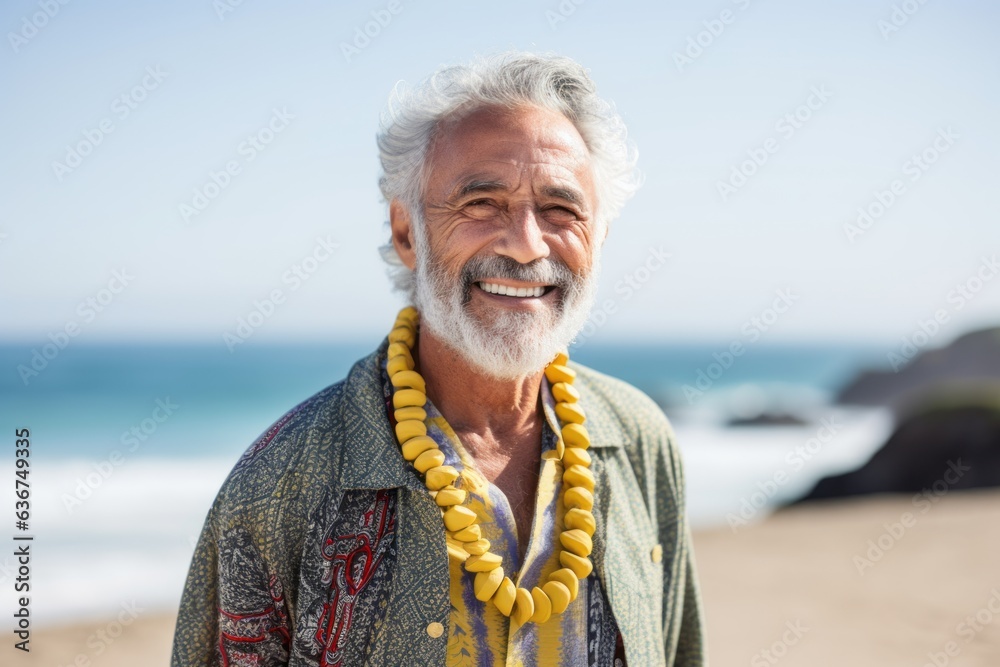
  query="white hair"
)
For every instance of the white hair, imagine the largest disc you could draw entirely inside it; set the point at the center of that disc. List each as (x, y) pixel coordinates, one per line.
(509, 79)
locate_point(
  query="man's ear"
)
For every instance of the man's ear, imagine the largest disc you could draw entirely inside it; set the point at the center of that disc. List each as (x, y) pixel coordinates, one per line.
(401, 225)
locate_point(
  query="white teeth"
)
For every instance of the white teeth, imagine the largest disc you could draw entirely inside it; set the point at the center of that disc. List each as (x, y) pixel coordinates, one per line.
(504, 290)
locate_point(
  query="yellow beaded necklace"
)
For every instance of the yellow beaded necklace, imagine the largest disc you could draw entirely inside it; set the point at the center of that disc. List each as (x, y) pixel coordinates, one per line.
(464, 537)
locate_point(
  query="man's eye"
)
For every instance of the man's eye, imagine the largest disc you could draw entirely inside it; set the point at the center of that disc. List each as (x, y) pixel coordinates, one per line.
(561, 212)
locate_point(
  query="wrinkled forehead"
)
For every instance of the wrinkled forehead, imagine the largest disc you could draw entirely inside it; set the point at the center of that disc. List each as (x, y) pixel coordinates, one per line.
(508, 144)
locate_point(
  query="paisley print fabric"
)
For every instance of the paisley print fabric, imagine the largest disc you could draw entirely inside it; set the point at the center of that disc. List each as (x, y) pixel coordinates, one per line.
(323, 547)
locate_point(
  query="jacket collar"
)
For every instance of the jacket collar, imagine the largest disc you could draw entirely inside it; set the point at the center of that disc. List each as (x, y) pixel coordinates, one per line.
(371, 458)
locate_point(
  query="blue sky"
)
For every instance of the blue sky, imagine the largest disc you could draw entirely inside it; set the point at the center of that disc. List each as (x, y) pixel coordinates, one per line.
(828, 106)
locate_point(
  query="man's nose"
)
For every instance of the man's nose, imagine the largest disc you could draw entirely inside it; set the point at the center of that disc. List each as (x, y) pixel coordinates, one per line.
(522, 239)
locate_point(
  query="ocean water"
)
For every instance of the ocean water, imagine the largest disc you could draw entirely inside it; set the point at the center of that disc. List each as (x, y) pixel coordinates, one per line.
(130, 444)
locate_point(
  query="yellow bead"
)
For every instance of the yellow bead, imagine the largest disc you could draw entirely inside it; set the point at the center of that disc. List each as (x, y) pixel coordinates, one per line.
(459, 517)
(487, 583)
(576, 541)
(404, 323)
(449, 496)
(440, 477)
(469, 533)
(567, 578)
(409, 428)
(432, 458)
(568, 412)
(543, 605)
(404, 398)
(579, 497)
(504, 597)
(409, 313)
(399, 363)
(577, 475)
(582, 567)
(559, 373)
(399, 349)
(479, 547)
(483, 563)
(577, 519)
(408, 380)
(414, 447)
(559, 595)
(407, 325)
(565, 393)
(575, 435)
(412, 412)
(403, 334)
(574, 456)
(524, 606)
(561, 358)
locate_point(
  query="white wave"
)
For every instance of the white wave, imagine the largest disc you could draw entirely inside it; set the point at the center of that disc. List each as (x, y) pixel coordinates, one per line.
(769, 465)
(127, 536)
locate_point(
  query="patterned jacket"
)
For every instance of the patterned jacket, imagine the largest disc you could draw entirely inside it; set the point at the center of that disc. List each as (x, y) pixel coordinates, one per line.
(287, 569)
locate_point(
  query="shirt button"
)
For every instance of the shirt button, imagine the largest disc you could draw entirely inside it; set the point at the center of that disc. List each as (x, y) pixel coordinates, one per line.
(435, 629)
(657, 554)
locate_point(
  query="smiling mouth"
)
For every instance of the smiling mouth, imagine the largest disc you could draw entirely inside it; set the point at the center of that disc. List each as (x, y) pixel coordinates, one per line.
(508, 290)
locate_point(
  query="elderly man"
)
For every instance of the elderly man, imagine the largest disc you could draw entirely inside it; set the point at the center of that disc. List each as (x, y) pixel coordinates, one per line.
(467, 495)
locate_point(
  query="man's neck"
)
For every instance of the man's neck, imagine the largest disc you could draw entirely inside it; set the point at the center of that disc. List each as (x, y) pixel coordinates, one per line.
(473, 402)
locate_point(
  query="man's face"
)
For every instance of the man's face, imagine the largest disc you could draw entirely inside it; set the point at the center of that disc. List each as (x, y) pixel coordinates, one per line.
(506, 268)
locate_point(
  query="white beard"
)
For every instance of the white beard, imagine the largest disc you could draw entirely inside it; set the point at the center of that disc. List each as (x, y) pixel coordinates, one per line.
(515, 343)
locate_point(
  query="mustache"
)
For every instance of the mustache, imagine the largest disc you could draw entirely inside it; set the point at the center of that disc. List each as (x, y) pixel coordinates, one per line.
(543, 270)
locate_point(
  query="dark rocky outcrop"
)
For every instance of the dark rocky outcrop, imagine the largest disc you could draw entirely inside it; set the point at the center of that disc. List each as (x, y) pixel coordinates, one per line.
(947, 407)
(944, 448)
(768, 419)
(972, 360)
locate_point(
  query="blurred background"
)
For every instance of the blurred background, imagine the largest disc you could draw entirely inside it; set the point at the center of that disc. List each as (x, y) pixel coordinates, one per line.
(807, 283)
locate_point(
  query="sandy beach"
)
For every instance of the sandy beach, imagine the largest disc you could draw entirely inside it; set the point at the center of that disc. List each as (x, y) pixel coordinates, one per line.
(807, 586)
(880, 581)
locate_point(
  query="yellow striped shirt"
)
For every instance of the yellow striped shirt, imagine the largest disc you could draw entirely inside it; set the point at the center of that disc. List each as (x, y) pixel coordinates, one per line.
(480, 636)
